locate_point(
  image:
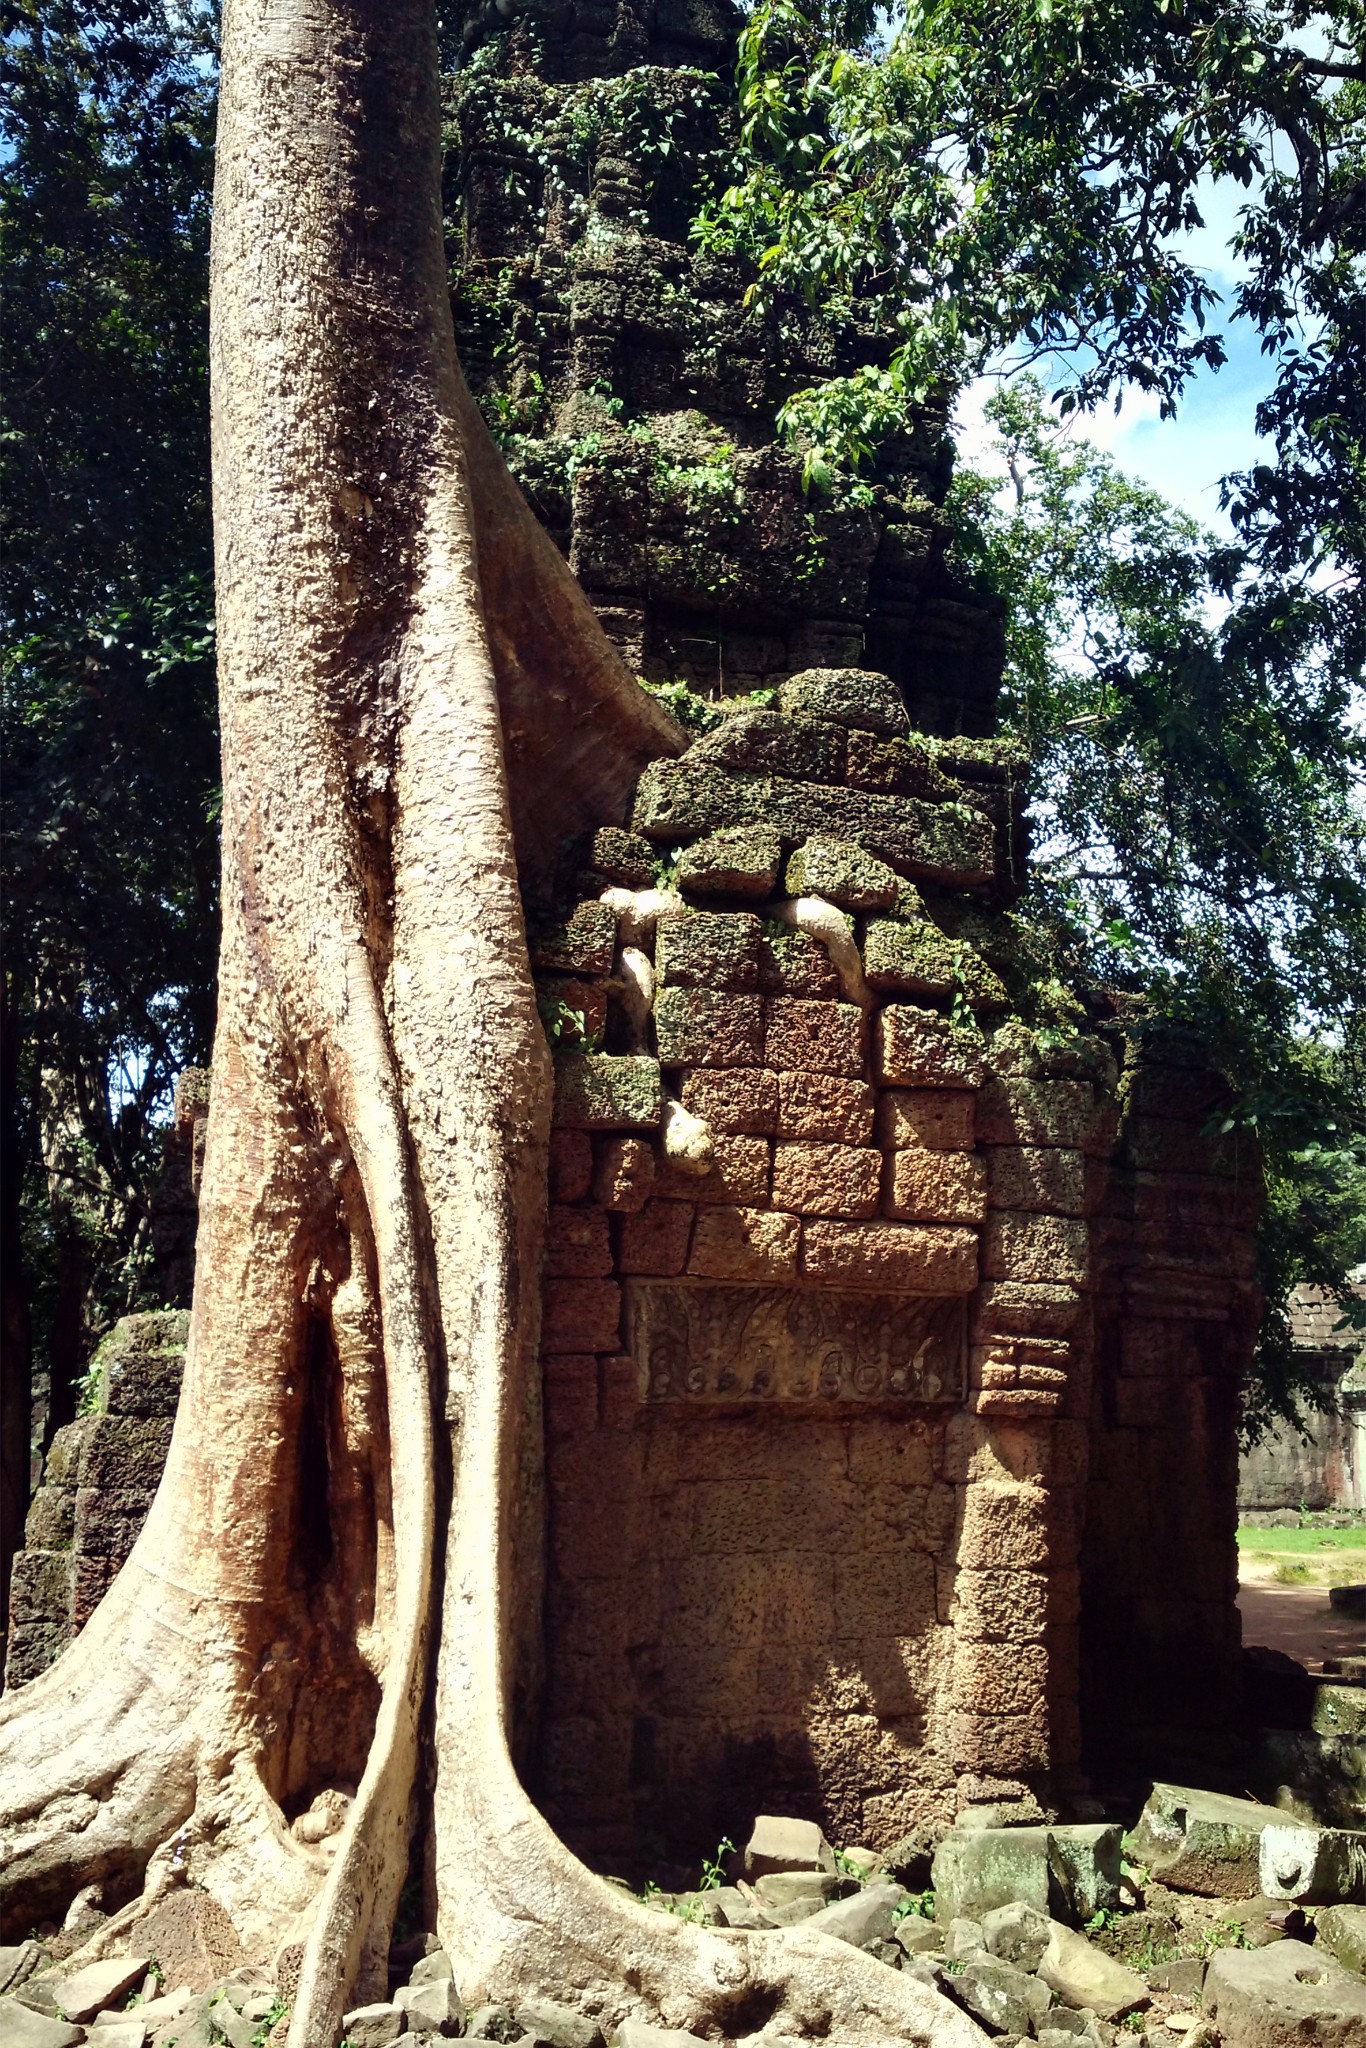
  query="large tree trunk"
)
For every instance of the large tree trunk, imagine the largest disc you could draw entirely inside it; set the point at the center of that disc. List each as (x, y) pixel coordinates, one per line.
(359, 1424)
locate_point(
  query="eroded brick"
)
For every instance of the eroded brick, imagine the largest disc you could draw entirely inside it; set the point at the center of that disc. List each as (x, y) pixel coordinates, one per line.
(698, 1027)
(577, 1244)
(745, 1244)
(826, 1180)
(916, 1258)
(739, 1100)
(936, 1187)
(824, 1107)
(656, 1240)
(939, 1118)
(825, 1038)
(581, 1315)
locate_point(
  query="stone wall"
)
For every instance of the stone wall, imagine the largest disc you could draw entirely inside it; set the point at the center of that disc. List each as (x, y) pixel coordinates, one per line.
(636, 394)
(818, 1415)
(98, 1481)
(1325, 1465)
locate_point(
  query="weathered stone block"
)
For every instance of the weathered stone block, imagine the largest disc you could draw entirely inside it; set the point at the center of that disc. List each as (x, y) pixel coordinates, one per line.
(809, 748)
(826, 1180)
(793, 963)
(858, 698)
(139, 1365)
(896, 768)
(745, 1244)
(939, 1118)
(577, 1244)
(1005, 1999)
(706, 949)
(1283, 1996)
(581, 1315)
(1005, 1528)
(571, 1165)
(1021, 1112)
(1000, 1678)
(696, 1027)
(1339, 1710)
(656, 1241)
(583, 944)
(623, 859)
(1312, 1865)
(1027, 1308)
(1086, 1979)
(937, 1187)
(1037, 1177)
(1019, 1245)
(739, 1173)
(1341, 1930)
(842, 873)
(916, 958)
(824, 1107)
(740, 862)
(741, 1100)
(570, 1379)
(1158, 1146)
(64, 1458)
(109, 1519)
(624, 1174)
(1205, 1842)
(920, 1049)
(869, 1916)
(40, 1586)
(824, 1038)
(604, 1092)
(779, 1843)
(125, 1451)
(693, 797)
(51, 1518)
(914, 1258)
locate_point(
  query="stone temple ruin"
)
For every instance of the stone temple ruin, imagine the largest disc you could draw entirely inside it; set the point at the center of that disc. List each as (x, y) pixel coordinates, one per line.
(892, 1330)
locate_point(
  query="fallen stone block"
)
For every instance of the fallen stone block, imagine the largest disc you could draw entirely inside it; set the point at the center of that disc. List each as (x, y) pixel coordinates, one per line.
(1339, 1710)
(1079, 2025)
(1183, 1978)
(1016, 1934)
(1072, 1871)
(869, 1916)
(90, 1990)
(432, 2007)
(784, 1887)
(859, 698)
(963, 1940)
(1205, 1842)
(492, 2023)
(1284, 1996)
(21, 2027)
(1313, 1866)
(780, 1843)
(638, 2034)
(124, 2030)
(918, 1936)
(1083, 1976)
(1008, 2000)
(18, 1962)
(1342, 1931)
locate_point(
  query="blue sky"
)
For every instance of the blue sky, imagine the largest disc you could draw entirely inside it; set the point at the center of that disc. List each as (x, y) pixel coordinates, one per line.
(1213, 432)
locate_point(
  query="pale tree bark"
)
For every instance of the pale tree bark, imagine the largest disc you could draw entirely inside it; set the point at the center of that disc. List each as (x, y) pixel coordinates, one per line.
(413, 694)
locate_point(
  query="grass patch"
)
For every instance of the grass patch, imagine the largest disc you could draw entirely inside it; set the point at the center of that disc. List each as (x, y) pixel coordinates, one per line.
(1302, 1542)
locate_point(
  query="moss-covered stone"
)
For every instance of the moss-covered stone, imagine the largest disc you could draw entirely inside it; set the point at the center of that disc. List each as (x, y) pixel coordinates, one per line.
(583, 944)
(917, 959)
(792, 963)
(743, 861)
(859, 698)
(605, 1092)
(622, 858)
(700, 1027)
(687, 799)
(810, 749)
(843, 873)
(707, 949)
(896, 768)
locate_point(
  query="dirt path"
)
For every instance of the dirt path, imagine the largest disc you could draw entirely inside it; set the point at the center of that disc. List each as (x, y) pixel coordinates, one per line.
(1296, 1619)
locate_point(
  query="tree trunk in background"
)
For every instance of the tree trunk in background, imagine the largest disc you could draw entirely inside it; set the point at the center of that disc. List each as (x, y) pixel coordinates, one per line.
(359, 1423)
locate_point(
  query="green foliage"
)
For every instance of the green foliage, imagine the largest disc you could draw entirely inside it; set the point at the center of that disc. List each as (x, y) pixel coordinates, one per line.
(109, 841)
(1202, 841)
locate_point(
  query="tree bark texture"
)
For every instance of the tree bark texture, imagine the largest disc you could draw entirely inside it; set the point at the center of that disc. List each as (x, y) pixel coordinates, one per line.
(414, 693)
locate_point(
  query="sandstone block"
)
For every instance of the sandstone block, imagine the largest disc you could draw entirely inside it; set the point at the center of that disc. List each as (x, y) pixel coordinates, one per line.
(571, 1165)
(125, 1451)
(824, 1107)
(86, 1992)
(577, 1244)
(742, 862)
(870, 1915)
(936, 1187)
(1206, 1842)
(742, 1100)
(432, 2007)
(1000, 1678)
(1037, 1177)
(1007, 2000)
(745, 1244)
(375, 2026)
(897, 768)
(842, 873)
(707, 949)
(21, 2027)
(914, 1258)
(826, 1180)
(547, 2024)
(1002, 1606)
(581, 1315)
(782, 1887)
(1312, 1865)
(1016, 1743)
(624, 1175)
(51, 1518)
(825, 1038)
(1005, 1528)
(604, 1091)
(1087, 1979)
(639, 2034)
(920, 1049)
(778, 1843)
(1021, 1112)
(940, 1119)
(738, 1174)
(1341, 1930)
(1283, 1996)
(696, 1027)
(1020, 1245)
(656, 1240)
(583, 944)
(1016, 1933)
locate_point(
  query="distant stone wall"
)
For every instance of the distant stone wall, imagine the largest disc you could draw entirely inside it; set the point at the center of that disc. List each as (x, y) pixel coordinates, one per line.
(1325, 1466)
(98, 1481)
